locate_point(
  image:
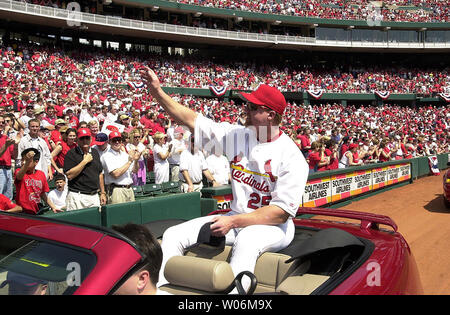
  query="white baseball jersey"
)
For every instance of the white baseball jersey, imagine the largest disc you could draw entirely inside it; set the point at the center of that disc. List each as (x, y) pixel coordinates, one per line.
(263, 173)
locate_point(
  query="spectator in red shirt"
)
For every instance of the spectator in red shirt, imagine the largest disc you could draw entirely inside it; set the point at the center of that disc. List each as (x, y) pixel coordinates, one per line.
(316, 157)
(31, 184)
(68, 141)
(332, 154)
(7, 205)
(147, 120)
(55, 135)
(50, 115)
(385, 152)
(305, 141)
(159, 125)
(73, 120)
(59, 109)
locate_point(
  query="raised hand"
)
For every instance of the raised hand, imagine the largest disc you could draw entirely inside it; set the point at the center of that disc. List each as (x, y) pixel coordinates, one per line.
(150, 78)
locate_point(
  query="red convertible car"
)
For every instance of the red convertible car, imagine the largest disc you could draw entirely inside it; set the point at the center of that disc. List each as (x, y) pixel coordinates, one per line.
(326, 257)
(446, 185)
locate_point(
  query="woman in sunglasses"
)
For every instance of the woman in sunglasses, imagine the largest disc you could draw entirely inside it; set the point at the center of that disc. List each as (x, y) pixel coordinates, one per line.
(136, 144)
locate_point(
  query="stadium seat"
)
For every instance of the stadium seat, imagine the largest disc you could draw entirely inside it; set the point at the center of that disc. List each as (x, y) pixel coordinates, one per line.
(138, 191)
(171, 187)
(150, 177)
(204, 277)
(151, 190)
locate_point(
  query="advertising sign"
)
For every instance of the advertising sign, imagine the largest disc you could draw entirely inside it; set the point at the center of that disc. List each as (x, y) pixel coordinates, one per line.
(317, 192)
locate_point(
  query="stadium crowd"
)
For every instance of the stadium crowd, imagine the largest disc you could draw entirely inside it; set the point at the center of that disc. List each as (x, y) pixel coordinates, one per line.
(391, 10)
(422, 11)
(61, 111)
(26, 68)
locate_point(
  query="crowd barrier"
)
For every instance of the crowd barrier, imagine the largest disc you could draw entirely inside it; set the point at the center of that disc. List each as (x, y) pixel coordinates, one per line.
(174, 206)
(336, 186)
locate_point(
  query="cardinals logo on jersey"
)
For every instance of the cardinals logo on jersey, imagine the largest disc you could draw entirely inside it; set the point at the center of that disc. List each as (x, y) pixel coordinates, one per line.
(268, 170)
(252, 178)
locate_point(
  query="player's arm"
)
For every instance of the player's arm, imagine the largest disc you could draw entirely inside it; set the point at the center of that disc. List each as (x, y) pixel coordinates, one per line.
(181, 114)
(267, 215)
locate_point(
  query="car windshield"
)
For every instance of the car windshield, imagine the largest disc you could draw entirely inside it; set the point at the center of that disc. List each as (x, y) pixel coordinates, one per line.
(33, 267)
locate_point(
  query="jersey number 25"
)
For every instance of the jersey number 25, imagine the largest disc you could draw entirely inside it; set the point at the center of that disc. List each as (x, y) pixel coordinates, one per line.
(256, 201)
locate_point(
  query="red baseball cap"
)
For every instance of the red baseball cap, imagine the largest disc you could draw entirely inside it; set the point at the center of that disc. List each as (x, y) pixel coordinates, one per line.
(268, 96)
(114, 134)
(352, 146)
(84, 132)
(112, 128)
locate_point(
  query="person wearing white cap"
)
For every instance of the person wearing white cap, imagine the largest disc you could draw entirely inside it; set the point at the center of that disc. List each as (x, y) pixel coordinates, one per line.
(269, 176)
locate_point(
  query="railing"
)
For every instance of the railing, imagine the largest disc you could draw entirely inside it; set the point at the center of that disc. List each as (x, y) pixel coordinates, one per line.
(76, 18)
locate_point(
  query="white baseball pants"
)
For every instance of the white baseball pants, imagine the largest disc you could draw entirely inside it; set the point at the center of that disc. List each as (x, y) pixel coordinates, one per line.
(248, 243)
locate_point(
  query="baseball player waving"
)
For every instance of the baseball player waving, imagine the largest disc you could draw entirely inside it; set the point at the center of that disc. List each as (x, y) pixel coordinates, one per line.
(268, 171)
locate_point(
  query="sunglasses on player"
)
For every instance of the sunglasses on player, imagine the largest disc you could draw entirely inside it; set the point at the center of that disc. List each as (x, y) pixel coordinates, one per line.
(254, 107)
